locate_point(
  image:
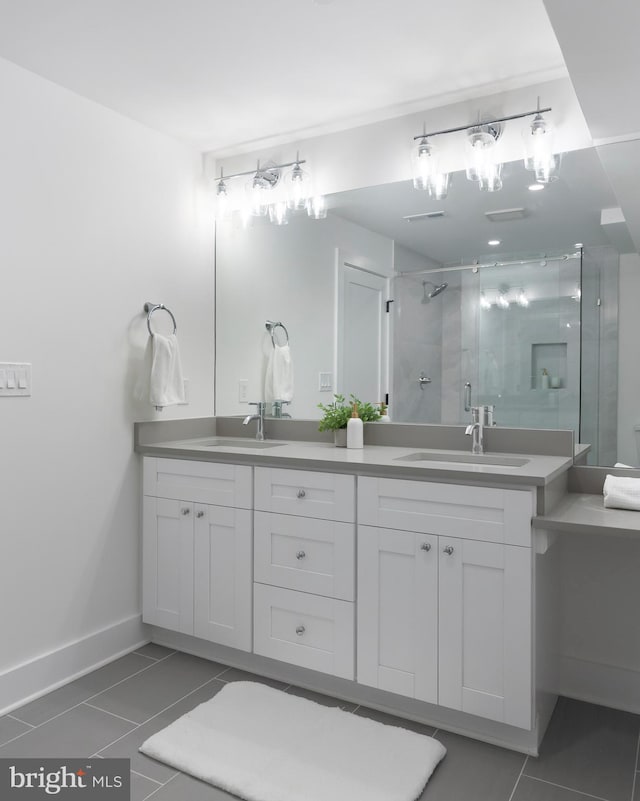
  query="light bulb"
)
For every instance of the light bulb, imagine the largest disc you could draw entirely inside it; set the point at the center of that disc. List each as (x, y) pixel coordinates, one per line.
(484, 302)
(502, 301)
(426, 171)
(538, 150)
(298, 188)
(223, 204)
(522, 299)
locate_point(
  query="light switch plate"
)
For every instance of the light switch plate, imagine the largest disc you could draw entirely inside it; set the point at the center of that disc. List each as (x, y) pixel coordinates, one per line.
(325, 382)
(15, 379)
(243, 390)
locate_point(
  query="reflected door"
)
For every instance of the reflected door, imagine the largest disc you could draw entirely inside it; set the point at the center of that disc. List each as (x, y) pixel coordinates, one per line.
(362, 333)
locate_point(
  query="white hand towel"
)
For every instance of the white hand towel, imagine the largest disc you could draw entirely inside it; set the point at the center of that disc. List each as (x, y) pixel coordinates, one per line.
(278, 380)
(161, 382)
(621, 492)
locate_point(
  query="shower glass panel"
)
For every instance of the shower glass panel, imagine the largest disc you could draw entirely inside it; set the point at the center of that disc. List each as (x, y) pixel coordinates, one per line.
(512, 332)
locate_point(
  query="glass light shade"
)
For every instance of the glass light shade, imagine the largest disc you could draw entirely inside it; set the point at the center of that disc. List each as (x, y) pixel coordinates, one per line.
(538, 150)
(298, 188)
(317, 207)
(502, 301)
(223, 203)
(278, 213)
(485, 303)
(491, 179)
(522, 299)
(257, 195)
(480, 154)
(427, 175)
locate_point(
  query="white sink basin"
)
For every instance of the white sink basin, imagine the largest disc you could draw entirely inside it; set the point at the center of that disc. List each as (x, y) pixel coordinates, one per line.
(464, 458)
(241, 442)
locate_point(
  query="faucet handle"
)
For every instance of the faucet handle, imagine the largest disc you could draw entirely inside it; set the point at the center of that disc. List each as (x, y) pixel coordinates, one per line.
(261, 406)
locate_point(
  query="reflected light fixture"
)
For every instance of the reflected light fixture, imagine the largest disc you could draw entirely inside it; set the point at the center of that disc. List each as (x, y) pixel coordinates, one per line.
(502, 300)
(267, 193)
(535, 187)
(522, 299)
(493, 242)
(485, 303)
(482, 164)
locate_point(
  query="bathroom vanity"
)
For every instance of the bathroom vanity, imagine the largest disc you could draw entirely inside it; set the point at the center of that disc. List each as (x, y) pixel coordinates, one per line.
(403, 578)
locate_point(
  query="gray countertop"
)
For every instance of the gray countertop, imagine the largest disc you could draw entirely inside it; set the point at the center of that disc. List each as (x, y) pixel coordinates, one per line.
(586, 514)
(381, 460)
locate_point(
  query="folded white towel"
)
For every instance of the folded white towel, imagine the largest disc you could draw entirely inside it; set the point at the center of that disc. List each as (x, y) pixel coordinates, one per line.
(278, 380)
(161, 382)
(622, 464)
(621, 492)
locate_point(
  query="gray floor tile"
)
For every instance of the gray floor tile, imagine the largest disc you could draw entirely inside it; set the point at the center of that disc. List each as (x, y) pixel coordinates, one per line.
(589, 748)
(141, 787)
(154, 651)
(535, 790)
(128, 746)
(164, 683)
(75, 692)
(10, 728)
(235, 674)
(79, 732)
(186, 788)
(473, 771)
(392, 720)
(325, 700)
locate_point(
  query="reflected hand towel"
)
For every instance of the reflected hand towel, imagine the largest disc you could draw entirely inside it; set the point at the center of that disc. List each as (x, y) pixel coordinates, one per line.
(621, 492)
(278, 380)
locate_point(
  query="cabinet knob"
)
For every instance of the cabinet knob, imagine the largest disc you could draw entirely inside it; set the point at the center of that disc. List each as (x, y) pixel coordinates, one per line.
(448, 550)
(300, 631)
(300, 555)
(301, 493)
(200, 514)
(185, 511)
(425, 546)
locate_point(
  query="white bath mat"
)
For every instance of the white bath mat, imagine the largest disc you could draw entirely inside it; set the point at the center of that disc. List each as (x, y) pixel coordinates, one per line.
(264, 745)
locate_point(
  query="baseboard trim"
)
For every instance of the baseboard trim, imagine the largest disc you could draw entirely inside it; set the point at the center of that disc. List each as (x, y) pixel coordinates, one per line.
(598, 683)
(25, 682)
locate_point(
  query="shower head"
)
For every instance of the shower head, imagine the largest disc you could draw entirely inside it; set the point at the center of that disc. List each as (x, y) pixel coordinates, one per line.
(437, 289)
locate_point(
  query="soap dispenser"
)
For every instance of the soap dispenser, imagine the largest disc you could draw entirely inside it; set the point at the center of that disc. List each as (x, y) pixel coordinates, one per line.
(355, 430)
(384, 413)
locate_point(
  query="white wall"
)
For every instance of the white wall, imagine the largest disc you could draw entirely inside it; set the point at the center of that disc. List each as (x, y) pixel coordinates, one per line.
(628, 364)
(287, 274)
(99, 214)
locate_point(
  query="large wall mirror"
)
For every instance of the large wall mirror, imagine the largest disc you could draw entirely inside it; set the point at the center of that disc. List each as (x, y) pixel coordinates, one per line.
(514, 293)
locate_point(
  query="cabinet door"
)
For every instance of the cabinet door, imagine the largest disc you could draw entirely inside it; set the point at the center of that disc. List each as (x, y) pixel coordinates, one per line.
(223, 575)
(167, 543)
(485, 630)
(398, 612)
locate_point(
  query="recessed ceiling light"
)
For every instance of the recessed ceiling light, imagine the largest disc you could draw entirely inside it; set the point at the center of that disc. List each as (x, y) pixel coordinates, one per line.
(493, 242)
(536, 187)
(578, 245)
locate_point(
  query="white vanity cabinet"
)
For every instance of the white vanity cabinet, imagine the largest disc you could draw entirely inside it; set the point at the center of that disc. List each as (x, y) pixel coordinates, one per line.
(197, 549)
(445, 608)
(304, 569)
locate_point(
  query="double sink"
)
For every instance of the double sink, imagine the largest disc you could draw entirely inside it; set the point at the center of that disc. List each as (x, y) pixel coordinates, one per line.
(447, 457)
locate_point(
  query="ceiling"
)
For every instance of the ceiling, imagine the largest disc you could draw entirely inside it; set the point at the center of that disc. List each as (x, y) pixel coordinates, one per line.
(566, 212)
(221, 74)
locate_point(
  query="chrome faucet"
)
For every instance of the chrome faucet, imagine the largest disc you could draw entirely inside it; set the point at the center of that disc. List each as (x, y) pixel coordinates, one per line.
(278, 408)
(481, 416)
(261, 407)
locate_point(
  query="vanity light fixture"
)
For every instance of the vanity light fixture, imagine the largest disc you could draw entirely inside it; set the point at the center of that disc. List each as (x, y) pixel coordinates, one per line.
(485, 303)
(522, 299)
(268, 193)
(502, 300)
(427, 174)
(482, 163)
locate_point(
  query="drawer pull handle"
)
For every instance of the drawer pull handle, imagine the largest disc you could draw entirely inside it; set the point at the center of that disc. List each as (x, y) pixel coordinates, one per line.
(300, 631)
(300, 555)
(301, 493)
(185, 511)
(448, 550)
(200, 514)
(425, 546)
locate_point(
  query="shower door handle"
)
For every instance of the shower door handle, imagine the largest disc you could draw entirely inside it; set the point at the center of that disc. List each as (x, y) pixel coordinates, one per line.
(467, 397)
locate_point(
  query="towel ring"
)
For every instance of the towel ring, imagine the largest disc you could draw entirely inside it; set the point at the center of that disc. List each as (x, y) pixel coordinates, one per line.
(150, 308)
(271, 327)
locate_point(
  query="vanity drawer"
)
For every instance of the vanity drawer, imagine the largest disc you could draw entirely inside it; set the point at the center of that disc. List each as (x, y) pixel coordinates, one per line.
(306, 630)
(304, 554)
(329, 496)
(456, 510)
(202, 482)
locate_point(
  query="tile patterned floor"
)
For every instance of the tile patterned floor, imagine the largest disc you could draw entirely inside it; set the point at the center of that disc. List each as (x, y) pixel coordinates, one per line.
(589, 752)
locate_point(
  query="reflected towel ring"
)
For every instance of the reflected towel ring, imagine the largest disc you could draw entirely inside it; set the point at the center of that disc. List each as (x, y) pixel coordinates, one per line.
(150, 308)
(271, 326)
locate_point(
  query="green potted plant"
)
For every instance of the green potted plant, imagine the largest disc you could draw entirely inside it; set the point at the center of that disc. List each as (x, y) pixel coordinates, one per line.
(336, 416)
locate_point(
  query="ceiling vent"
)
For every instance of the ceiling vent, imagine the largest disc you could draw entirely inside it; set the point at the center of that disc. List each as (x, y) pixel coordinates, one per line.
(504, 215)
(427, 215)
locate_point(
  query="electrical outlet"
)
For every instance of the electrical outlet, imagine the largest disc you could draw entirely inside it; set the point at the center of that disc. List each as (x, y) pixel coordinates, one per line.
(243, 390)
(325, 382)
